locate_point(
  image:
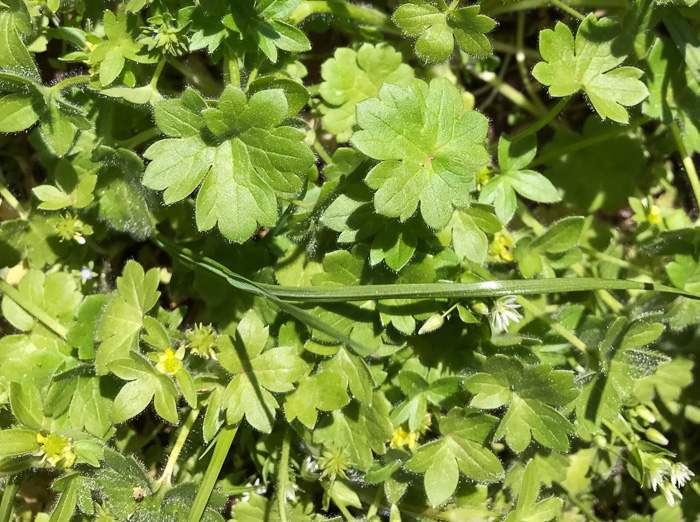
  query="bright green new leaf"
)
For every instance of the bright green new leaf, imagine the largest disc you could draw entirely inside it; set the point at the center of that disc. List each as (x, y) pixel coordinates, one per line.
(590, 63)
(241, 153)
(18, 112)
(429, 149)
(257, 372)
(528, 509)
(325, 391)
(71, 190)
(17, 442)
(144, 384)
(513, 157)
(353, 76)
(437, 27)
(467, 230)
(121, 323)
(532, 393)
(111, 55)
(460, 449)
(14, 55)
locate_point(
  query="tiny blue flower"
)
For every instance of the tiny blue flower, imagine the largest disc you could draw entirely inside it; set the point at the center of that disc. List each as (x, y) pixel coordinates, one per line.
(86, 274)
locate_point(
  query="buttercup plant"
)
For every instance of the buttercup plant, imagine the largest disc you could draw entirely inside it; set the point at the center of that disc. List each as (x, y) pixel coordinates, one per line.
(402, 260)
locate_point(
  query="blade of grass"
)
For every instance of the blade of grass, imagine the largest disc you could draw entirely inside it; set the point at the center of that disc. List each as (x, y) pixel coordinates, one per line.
(223, 444)
(340, 294)
(685, 39)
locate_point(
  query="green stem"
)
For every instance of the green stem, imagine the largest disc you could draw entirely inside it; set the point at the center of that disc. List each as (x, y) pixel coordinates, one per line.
(12, 201)
(254, 72)
(503, 47)
(497, 8)
(206, 83)
(232, 72)
(222, 445)
(509, 92)
(141, 137)
(687, 162)
(555, 326)
(585, 510)
(156, 74)
(74, 80)
(587, 142)
(613, 429)
(561, 5)
(545, 120)
(29, 307)
(622, 263)
(340, 8)
(166, 478)
(321, 151)
(520, 59)
(8, 498)
(283, 475)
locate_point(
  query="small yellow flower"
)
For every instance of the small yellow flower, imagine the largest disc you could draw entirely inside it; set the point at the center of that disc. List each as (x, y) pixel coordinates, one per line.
(170, 362)
(55, 449)
(500, 247)
(654, 215)
(403, 438)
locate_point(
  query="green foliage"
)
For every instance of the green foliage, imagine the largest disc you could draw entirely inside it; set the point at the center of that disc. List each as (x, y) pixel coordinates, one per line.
(374, 285)
(590, 63)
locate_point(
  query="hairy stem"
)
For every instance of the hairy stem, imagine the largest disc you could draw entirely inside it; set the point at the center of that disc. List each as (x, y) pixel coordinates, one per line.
(8, 498)
(283, 475)
(340, 8)
(141, 137)
(12, 201)
(166, 478)
(545, 120)
(74, 80)
(561, 5)
(554, 325)
(688, 163)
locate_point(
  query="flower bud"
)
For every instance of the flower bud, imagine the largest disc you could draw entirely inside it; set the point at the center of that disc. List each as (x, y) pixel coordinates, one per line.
(434, 322)
(645, 414)
(656, 436)
(480, 308)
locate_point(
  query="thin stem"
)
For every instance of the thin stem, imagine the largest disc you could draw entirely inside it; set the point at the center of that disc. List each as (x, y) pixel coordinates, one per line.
(520, 59)
(340, 8)
(8, 498)
(503, 47)
(74, 80)
(687, 162)
(156, 74)
(613, 429)
(509, 92)
(554, 325)
(222, 445)
(232, 72)
(321, 151)
(581, 506)
(254, 72)
(283, 475)
(29, 307)
(12, 201)
(166, 478)
(206, 83)
(561, 5)
(497, 8)
(587, 142)
(544, 120)
(622, 263)
(141, 137)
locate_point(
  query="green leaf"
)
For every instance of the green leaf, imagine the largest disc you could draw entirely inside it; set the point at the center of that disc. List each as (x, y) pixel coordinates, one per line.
(527, 507)
(437, 28)
(245, 157)
(121, 323)
(111, 55)
(14, 56)
(18, 112)
(17, 442)
(467, 229)
(460, 449)
(326, 391)
(358, 428)
(560, 237)
(353, 76)
(257, 372)
(429, 148)
(532, 393)
(500, 191)
(590, 63)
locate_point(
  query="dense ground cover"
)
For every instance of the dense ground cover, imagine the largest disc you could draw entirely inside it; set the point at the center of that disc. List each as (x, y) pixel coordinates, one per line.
(306, 260)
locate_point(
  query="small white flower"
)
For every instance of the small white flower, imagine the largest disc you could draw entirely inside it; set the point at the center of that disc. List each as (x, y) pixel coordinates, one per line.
(261, 490)
(504, 311)
(291, 492)
(657, 471)
(310, 465)
(670, 493)
(680, 474)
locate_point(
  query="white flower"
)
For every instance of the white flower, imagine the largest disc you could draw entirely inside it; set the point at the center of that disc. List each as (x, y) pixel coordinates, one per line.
(245, 496)
(680, 474)
(670, 492)
(310, 465)
(657, 472)
(504, 311)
